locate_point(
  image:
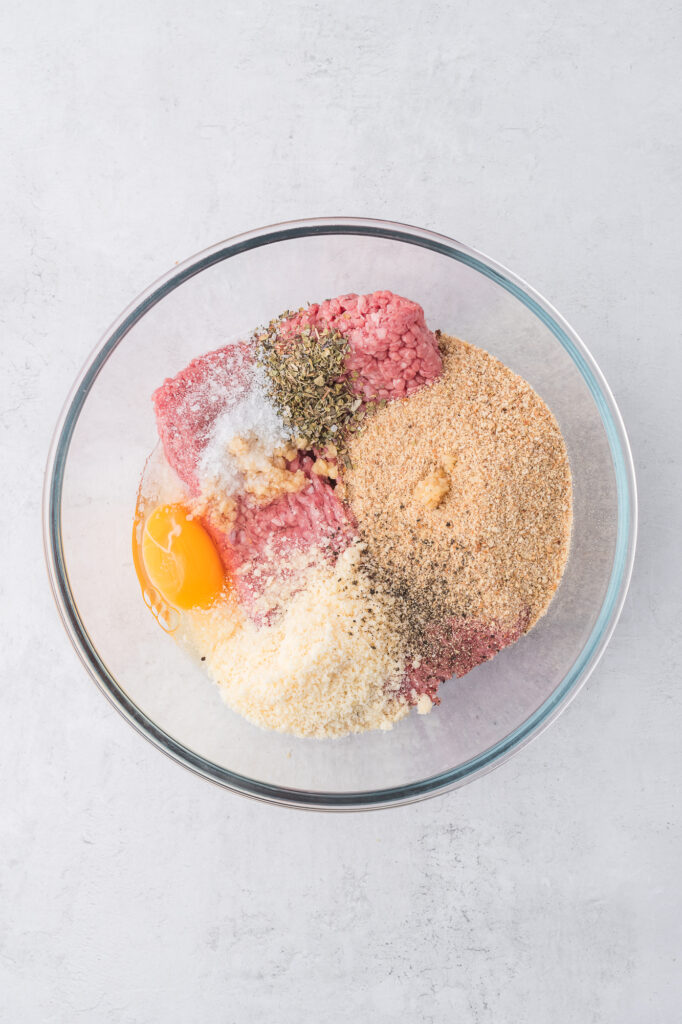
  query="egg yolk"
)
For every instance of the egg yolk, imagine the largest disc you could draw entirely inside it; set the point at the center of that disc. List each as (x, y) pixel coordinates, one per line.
(180, 558)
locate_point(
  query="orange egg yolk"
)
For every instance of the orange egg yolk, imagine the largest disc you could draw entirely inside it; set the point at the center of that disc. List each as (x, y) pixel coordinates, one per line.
(180, 558)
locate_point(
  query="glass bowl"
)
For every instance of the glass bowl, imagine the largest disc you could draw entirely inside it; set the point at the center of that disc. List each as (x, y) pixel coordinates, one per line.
(107, 430)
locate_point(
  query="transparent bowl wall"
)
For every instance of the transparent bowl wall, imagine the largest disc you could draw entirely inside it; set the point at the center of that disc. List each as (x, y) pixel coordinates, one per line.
(108, 430)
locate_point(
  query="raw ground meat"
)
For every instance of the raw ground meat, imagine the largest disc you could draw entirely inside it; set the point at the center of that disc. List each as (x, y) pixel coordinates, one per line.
(188, 404)
(391, 348)
(461, 646)
(264, 536)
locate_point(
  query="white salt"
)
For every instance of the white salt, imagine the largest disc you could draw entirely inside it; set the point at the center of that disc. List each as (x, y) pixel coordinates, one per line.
(254, 417)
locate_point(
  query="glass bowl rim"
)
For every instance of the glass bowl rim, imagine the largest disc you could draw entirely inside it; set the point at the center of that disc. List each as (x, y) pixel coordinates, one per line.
(583, 665)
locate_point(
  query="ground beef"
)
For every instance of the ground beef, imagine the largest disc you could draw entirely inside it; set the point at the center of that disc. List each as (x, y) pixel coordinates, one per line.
(455, 648)
(264, 537)
(188, 404)
(391, 348)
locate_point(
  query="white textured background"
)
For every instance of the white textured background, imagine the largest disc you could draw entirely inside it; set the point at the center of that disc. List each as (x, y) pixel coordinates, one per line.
(549, 135)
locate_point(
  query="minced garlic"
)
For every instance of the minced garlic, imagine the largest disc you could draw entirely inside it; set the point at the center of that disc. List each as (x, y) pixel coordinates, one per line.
(221, 509)
(265, 474)
(323, 468)
(431, 490)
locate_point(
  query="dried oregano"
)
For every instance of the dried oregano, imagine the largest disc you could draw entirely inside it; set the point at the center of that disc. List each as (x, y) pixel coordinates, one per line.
(309, 383)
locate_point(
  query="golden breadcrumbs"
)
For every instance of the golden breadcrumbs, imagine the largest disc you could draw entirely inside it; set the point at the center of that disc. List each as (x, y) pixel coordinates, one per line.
(462, 492)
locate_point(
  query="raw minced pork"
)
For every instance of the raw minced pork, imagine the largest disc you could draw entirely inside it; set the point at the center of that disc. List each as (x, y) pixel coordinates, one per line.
(391, 349)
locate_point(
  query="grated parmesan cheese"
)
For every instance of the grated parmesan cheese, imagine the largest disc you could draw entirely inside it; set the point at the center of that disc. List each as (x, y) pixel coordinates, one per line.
(424, 704)
(330, 665)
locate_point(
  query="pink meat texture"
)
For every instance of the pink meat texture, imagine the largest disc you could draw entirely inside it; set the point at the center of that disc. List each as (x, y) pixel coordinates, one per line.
(391, 348)
(461, 647)
(188, 404)
(264, 536)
